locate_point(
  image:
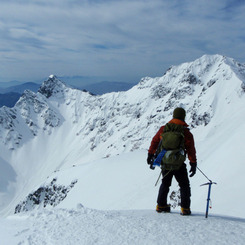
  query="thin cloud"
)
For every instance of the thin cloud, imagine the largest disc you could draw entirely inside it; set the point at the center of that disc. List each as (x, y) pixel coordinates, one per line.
(123, 40)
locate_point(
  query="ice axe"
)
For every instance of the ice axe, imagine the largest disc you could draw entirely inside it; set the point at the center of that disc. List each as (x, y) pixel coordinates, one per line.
(209, 190)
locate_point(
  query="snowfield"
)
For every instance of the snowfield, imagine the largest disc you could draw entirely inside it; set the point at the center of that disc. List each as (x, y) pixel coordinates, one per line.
(89, 226)
(121, 195)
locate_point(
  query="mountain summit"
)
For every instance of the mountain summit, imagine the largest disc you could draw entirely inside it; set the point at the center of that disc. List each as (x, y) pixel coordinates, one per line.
(59, 127)
(52, 86)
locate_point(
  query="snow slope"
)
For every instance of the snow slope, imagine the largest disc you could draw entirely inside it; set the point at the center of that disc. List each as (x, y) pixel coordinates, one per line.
(126, 182)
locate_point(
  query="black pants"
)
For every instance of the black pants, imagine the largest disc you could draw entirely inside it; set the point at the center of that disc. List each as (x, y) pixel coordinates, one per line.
(181, 176)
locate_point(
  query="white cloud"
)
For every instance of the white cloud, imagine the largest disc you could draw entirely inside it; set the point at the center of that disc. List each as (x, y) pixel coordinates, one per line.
(114, 38)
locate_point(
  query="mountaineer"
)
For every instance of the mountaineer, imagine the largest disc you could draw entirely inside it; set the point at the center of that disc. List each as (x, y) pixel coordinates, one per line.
(174, 140)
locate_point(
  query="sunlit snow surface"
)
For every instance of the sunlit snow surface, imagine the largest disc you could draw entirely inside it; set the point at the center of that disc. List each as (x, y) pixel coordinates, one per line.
(87, 226)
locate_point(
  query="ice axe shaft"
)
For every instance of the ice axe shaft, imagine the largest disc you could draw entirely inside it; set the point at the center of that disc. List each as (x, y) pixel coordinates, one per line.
(162, 177)
(158, 178)
(209, 193)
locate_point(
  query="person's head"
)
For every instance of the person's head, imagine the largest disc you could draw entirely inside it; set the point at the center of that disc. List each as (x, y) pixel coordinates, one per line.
(179, 113)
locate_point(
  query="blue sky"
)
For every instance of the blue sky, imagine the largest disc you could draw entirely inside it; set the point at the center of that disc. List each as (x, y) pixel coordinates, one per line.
(114, 40)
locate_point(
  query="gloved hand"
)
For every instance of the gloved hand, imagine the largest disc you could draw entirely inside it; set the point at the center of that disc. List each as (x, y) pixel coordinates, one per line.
(193, 168)
(150, 158)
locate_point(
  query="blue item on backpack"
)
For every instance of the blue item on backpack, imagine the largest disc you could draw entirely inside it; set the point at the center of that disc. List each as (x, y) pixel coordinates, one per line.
(159, 157)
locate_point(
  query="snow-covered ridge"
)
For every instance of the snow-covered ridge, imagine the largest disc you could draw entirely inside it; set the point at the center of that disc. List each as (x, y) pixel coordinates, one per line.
(149, 102)
(60, 127)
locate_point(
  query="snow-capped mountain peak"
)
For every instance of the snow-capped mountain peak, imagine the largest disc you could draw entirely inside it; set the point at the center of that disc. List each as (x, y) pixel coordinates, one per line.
(52, 86)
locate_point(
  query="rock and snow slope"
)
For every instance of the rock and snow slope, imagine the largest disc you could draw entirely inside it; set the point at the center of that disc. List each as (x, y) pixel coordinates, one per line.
(63, 133)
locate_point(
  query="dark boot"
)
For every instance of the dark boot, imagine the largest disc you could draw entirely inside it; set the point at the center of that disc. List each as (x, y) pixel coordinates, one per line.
(165, 209)
(185, 211)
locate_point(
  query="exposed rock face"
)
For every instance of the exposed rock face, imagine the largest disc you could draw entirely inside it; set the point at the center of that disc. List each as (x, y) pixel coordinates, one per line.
(49, 195)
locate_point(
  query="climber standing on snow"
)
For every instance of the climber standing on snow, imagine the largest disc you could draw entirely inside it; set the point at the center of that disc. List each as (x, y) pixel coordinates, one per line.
(174, 140)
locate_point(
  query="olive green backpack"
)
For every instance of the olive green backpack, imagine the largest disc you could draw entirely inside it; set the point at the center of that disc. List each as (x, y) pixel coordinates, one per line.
(173, 142)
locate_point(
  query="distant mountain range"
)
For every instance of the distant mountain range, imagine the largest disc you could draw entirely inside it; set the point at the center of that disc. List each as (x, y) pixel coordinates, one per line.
(106, 87)
(20, 88)
(9, 99)
(10, 95)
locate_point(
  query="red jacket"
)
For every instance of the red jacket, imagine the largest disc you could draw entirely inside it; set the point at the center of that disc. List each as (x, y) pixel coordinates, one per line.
(189, 141)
